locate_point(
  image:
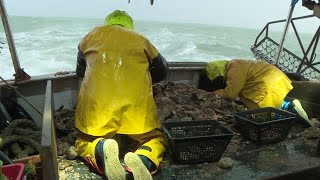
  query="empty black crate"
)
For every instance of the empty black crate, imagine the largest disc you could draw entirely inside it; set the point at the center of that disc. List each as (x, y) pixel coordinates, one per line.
(194, 142)
(264, 125)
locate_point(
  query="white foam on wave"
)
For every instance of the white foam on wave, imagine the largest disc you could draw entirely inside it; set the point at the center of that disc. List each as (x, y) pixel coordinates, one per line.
(6, 67)
(187, 49)
(51, 46)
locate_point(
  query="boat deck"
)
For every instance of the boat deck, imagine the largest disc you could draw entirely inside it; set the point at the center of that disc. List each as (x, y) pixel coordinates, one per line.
(252, 162)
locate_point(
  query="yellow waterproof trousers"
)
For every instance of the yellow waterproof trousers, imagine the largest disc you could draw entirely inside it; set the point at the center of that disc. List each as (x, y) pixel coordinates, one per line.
(151, 144)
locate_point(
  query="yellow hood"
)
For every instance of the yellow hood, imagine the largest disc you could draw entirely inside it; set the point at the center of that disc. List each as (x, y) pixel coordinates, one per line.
(216, 68)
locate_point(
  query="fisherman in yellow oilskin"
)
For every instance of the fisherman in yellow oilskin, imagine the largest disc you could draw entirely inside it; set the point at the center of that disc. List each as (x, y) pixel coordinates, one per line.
(257, 83)
(118, 66)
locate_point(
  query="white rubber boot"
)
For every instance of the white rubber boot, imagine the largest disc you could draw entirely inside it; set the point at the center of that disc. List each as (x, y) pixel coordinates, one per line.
(112, 166)
(301, 112)
(139, 170)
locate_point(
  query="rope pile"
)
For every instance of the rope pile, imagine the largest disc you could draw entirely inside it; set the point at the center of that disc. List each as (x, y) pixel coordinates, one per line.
(20, 139)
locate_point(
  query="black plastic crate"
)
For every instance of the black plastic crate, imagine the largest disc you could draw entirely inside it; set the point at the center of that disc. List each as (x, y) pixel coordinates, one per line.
(195, 141)
(264, 125)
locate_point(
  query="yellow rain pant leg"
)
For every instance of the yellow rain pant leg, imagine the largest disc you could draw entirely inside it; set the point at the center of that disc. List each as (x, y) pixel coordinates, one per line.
(153, 145)
(157, 151)
(85, 146)
(266, 102)
(271, 99)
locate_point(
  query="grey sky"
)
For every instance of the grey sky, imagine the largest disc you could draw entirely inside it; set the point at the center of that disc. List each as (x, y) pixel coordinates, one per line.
(244, 13)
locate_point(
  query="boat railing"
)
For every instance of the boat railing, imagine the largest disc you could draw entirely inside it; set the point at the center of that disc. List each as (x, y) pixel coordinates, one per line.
(48, 149)
(267, 49)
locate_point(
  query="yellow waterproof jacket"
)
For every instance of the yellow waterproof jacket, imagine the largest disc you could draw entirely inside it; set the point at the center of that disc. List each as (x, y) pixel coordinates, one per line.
(257, 83)
(116, 92)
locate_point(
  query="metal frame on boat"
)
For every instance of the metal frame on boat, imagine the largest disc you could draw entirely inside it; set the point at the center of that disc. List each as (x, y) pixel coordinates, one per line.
(266, 48)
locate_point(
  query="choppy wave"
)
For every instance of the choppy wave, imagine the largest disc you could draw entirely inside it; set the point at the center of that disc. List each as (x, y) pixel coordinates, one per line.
(48, 45)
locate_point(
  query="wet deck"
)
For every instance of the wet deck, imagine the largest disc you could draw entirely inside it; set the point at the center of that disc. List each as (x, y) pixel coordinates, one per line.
(254, 162)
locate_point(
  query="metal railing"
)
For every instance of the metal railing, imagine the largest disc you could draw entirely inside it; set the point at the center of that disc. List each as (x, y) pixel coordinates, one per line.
(267, 49)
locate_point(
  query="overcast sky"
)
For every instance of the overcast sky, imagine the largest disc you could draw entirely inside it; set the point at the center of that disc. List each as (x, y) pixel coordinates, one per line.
(239, 13)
